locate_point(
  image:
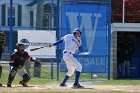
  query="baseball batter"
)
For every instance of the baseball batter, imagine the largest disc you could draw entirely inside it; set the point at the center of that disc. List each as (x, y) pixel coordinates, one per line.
(17, 61)
(72, 45)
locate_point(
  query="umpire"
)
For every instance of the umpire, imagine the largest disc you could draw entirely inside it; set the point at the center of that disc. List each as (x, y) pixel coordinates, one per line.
(2, 42)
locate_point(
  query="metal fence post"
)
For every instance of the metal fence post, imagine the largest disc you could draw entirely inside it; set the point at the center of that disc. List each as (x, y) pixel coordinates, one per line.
(57, 36)
(11, 27)
(109, 36)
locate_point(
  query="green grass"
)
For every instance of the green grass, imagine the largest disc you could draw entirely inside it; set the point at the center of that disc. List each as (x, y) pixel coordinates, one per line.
(46, 75)
(68, 92)
(120, 82)
(45, 80)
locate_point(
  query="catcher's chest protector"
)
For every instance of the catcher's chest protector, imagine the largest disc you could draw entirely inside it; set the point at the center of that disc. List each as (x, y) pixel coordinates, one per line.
(20, 58)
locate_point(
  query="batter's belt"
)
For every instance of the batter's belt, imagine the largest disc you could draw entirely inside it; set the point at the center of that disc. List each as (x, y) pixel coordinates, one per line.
(67, 52)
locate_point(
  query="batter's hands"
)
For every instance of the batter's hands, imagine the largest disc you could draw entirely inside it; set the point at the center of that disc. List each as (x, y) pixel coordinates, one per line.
(50, 45)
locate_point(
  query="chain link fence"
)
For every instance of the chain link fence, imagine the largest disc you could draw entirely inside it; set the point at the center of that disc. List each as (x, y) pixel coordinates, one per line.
(28, 15)
(39, 15)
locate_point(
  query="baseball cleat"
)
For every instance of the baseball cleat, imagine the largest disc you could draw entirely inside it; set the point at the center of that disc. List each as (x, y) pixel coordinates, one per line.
(23, 84)
(63, 85)
(0, 85)
(77, 85)
(9, 85)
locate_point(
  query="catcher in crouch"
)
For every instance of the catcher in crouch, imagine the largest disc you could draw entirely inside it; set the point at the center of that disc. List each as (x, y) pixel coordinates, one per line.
(17, 61)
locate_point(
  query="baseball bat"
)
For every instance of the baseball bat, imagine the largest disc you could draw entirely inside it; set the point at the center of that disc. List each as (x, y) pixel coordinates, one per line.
(48, 45)
(33, 49)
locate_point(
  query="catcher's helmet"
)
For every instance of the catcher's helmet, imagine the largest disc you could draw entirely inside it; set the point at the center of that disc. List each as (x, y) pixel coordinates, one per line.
(20, 45)
(76, 30)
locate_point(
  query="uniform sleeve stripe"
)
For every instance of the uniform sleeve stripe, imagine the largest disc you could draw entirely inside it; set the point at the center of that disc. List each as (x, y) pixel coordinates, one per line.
(12, 59)
(27, 57)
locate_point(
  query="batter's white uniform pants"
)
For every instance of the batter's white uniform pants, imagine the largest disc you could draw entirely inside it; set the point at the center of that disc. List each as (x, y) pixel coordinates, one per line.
(71, 63)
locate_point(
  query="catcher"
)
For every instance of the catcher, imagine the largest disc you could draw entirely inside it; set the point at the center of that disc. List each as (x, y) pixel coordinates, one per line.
(17, 61)
(2, 42)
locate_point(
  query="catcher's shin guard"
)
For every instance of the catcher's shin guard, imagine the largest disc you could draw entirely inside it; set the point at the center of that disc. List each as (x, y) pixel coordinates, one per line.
(10, 79)
(0, 71)
(26, 78)
(12, 75)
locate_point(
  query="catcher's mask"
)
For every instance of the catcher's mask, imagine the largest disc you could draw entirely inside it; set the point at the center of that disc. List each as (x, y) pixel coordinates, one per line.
(20, 47)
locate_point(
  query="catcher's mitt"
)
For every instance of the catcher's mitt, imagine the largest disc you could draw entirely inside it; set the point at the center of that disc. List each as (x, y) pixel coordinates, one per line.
(37, 63)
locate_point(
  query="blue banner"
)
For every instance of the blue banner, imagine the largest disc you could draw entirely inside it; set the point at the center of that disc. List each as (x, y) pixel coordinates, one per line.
(89, 64)
(92, 20)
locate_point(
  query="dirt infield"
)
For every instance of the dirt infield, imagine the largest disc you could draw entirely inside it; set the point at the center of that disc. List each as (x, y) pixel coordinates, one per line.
(94, 88)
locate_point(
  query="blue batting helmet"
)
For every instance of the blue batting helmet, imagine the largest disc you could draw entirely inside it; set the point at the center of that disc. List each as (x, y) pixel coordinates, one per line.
(76, 30)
